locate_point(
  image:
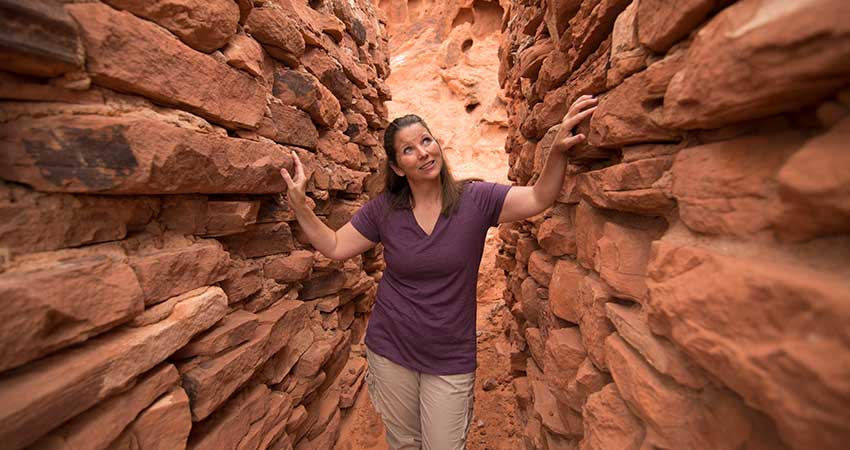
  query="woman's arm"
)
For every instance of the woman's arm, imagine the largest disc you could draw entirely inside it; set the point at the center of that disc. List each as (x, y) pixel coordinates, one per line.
(341, 244)
(527, 201)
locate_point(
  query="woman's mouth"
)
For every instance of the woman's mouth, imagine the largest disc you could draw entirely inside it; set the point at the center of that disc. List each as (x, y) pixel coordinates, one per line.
(427, 165)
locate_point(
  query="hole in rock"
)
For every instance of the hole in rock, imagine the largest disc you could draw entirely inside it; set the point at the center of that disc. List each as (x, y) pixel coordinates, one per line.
(471, 107)
(487, 17)
(652, 103)
(467, 44)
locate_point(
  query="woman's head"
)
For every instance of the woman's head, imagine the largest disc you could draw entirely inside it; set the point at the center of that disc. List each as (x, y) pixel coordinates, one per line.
(412, 154)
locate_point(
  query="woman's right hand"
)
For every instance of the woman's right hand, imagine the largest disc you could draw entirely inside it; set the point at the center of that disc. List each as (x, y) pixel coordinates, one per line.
(295, 187)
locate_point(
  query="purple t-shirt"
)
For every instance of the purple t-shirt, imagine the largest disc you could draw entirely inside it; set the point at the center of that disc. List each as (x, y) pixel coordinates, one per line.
(424, 315)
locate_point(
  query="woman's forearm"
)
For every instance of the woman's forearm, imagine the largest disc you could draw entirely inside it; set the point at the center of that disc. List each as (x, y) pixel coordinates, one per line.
(548, 186)
(320, 235)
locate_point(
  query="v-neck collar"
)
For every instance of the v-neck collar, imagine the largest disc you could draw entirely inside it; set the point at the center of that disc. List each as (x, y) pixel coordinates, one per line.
(419, 226)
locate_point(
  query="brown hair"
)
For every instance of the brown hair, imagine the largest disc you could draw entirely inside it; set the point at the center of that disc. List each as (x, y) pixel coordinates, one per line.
(397, 186)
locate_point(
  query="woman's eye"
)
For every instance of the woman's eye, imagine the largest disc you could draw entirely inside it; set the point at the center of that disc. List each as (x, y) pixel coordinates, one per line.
(426, 140)
(407, 151)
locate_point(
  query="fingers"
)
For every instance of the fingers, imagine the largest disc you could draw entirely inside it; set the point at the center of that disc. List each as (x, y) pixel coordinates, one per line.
(299, 168)
(571, 141)
(571, 122)
(286, 178)
(580, 104)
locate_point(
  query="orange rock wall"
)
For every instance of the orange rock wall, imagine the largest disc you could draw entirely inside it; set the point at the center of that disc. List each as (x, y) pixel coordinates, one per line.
(157, 292)
(690, 289)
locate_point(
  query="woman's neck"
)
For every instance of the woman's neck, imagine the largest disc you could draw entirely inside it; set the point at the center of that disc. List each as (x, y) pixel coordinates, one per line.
(429, 193)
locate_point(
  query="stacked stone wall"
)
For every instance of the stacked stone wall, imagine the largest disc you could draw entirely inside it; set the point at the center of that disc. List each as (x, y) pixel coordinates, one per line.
(157, 292)
(690, 288)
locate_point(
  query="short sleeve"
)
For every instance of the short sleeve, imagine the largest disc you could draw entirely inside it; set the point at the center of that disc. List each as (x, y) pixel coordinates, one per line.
(368, 218)
(490, 198)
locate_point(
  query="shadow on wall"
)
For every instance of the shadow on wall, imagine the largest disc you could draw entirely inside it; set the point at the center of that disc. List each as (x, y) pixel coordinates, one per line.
(485, 17)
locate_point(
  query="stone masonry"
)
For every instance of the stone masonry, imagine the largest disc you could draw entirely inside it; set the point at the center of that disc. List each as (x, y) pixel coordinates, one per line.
(691, 287)
(157, 291)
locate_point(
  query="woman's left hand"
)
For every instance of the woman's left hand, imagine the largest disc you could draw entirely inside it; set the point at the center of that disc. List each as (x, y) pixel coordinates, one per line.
(581, 109)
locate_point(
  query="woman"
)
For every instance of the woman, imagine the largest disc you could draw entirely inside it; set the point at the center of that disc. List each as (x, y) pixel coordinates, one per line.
(420, 338)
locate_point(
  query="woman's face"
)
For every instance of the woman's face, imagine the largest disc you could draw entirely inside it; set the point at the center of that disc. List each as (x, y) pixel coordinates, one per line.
(418, 156)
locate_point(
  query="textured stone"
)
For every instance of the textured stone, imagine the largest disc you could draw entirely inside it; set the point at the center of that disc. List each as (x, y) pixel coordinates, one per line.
(593, 22)
(632, 112)
(126, 53)
(564, 353)
(608, 422)
(226, 427)
(729, 188)
(234, 329)
(657, 350)
(730, 315)
(593, 323)
(134, 154)
(540, 266)
(173, 270)
(289, 125)
(273, 28)
(621, 257)
(814, 184)
(633, 186)
(165, 424)
(47, 393)
(63, 302)
(563, 289)
(204, 25)
(556, 234)
(40, 39)
(661, 24)
(104, 423)
(305, 92)
(588, 380)
(246, 54)
(589, 223)
(738, 66)
(243, 280)
(293, 267)
(229, 217)
(675, 416)
(627, 55)
(261, 240)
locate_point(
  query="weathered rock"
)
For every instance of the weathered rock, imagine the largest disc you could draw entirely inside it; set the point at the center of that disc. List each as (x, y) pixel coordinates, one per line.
(631, 113)
(337, 148)
(104, 423)
(563, 289)
(621, 257)
(675, 416)
(229, 217)
(226, 427)
(273, 28)
(202, 25)
(813, 183)
(530, 305)
(634, 186)
(234, 329)
(589, 223)
(608, 422)
(40, 39)
(732, 73)
(166, 272)
(289, 125)
(657, 350)
(556, 234)
(305, 92)
(731, 318)
(660, 25)
(246, 54)
(126, 53)
(45, 394)
(165, 424)
(593, 22)
(729, 188)
(279, 365)
(540, 266)
(627, 55)
(133, 154)
(563, 355)
(32, 222)
(261, 240)
(242, 281)
(593, 323)
(588, 380)
(63, 302)
(293, 267)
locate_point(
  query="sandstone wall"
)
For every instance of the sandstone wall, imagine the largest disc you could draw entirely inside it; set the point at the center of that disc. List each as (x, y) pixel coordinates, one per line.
(156, 293)
(690, 288)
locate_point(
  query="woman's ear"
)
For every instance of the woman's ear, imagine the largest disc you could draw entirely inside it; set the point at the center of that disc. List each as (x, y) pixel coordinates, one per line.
(396, 169)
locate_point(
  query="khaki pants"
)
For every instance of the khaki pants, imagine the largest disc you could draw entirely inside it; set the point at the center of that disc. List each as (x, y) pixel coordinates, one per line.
(431, 412)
